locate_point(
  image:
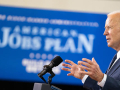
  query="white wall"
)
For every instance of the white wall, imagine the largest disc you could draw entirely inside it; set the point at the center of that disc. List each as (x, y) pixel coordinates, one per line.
(100, 6)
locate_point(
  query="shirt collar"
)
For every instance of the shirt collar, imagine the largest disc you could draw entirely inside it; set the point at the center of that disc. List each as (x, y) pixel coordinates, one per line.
(118, 54)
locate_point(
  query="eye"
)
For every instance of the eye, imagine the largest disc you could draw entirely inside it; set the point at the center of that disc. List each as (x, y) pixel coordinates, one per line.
(108, 27)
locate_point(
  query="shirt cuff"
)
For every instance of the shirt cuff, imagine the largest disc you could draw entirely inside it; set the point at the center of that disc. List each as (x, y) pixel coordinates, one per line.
(84, 78)
(102, 83)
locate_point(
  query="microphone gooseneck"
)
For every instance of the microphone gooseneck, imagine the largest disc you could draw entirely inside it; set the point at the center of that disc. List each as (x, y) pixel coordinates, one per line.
(48, 69)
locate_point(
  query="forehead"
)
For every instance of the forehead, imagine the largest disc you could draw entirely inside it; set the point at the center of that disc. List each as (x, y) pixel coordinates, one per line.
(111, 20)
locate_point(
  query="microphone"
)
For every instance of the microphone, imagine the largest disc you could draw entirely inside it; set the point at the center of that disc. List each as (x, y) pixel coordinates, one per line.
(48, 68)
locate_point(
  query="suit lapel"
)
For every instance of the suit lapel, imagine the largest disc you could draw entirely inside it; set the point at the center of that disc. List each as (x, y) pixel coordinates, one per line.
(114, 58)
(114, 67)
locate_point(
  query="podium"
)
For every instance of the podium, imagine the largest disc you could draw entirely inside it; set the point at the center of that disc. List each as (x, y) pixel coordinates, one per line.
(43, 86)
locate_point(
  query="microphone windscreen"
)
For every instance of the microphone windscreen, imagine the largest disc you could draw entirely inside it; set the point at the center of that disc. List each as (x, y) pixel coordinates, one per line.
(57, 60)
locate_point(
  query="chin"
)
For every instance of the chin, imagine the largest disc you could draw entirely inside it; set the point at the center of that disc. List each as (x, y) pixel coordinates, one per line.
(109, 45)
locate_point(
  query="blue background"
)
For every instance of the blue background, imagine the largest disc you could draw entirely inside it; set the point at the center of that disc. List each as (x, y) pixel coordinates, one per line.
(11, 59)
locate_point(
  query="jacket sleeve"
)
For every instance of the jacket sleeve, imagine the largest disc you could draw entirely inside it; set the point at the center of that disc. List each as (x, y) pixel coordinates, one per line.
(111, 84)
(91, 84)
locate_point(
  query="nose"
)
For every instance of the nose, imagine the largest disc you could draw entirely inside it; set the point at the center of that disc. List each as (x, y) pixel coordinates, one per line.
(105, 32)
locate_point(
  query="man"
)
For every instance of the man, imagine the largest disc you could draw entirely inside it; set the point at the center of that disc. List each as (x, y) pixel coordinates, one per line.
(93, 78)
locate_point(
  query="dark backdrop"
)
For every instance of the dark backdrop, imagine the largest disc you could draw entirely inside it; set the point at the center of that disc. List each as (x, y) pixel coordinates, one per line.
(13, 85)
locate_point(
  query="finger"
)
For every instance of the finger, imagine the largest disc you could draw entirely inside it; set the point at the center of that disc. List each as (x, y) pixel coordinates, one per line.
(85, 68)
(86, 64)
(87, 60)
(84, 72)
(69, 74)
(66, 65)
(80, 69)
(93, 60)
(79, 63)
(69, 61)
(66, 69)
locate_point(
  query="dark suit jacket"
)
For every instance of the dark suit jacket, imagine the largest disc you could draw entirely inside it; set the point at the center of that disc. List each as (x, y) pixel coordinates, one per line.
(112, 81)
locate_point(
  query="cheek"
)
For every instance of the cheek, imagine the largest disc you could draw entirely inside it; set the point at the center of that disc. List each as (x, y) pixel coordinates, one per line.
(113, 34)
(115, 38)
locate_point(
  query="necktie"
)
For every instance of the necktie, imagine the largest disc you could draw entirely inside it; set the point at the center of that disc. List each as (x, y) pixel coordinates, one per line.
(114, 58)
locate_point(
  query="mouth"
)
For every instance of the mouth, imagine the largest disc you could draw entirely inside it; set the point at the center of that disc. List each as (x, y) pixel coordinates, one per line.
(108, 39)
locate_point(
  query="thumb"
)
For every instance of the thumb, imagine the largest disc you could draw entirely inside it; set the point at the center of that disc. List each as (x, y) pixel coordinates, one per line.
(93, 60)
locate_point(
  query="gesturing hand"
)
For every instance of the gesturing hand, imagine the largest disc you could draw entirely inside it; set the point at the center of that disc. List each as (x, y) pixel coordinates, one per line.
(73, 68)
(92, 68)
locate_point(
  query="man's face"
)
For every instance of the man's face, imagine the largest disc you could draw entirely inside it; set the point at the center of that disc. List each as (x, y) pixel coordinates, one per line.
(112, 32)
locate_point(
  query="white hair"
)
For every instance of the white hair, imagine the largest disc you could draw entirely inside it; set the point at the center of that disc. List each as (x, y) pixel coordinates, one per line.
(114, 12)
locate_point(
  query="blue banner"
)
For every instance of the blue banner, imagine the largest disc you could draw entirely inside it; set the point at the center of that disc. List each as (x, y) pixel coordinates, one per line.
(31, 38)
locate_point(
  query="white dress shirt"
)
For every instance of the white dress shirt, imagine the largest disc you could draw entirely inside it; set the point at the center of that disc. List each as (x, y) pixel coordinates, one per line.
(102, 83)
